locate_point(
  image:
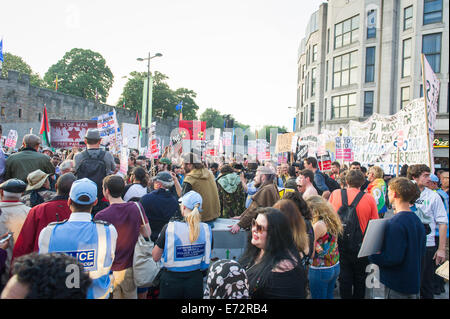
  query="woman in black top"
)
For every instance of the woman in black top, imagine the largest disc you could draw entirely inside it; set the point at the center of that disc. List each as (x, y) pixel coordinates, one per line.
(272, 260)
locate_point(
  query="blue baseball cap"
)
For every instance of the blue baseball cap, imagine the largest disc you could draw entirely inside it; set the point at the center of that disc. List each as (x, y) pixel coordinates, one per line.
(190, 199)
(84, 187)
(434, 178)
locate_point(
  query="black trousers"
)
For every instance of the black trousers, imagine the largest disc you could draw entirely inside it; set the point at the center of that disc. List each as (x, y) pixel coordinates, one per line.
(427, 274)
(181, 285)
(352, 278)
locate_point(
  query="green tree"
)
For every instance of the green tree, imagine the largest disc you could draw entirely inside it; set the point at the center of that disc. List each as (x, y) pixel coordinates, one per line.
(212, 117)
(164, 99)
(82, 73)
(16, 63)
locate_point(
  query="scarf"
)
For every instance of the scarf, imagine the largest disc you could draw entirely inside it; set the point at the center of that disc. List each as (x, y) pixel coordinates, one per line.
(227, 279)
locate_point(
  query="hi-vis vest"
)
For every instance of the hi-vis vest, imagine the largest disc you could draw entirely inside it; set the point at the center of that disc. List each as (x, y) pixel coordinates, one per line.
(92, 243)
(180, 255)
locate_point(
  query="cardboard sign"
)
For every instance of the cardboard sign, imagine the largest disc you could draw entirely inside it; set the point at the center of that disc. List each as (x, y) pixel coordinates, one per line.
(284, 142)
(69, 133)
(11, 140)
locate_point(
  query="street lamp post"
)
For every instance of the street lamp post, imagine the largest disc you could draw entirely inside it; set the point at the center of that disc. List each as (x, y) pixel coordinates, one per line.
(147, 121)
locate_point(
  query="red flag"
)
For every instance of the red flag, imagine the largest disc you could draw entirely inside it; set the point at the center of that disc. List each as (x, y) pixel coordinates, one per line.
(45, 127)
(192, 130)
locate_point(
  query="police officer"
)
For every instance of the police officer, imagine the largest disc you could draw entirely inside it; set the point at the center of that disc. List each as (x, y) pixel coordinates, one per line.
(185, 248)
(92, 242)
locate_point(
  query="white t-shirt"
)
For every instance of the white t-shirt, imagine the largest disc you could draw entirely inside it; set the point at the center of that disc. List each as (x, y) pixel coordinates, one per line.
(431, 204)
(136, 190)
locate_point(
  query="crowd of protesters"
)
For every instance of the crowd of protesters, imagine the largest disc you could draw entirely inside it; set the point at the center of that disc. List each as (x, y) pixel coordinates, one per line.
(298, 245)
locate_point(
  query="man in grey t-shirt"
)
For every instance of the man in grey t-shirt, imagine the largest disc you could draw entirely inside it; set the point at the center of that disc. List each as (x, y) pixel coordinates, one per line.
(93, 140)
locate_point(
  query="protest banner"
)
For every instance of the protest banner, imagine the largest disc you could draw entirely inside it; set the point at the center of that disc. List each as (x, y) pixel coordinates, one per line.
(109, 130)
(431, 87)
(11, 140)
(130, 132)
(124, 159)
(69, 133)
(374, 140)
(284, 142)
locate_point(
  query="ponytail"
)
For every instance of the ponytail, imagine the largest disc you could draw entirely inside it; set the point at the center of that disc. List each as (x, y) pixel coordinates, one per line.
(193, 220)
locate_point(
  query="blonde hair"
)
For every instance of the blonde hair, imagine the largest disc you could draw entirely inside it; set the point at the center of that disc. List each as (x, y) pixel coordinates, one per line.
(377, 172)
(322, 210)
(193, 220)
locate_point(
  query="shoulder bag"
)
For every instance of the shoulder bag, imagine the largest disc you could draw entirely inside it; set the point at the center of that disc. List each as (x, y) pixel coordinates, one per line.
(145, 268)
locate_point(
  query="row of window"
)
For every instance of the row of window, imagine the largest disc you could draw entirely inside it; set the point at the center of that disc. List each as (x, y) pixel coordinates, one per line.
(3, 112)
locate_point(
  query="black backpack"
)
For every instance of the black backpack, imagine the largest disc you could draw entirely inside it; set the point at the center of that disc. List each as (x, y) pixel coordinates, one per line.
(331, 183)
(351, 239)
(93, 168)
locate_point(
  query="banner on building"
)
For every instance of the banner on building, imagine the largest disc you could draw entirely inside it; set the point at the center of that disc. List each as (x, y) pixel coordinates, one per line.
(69, 133)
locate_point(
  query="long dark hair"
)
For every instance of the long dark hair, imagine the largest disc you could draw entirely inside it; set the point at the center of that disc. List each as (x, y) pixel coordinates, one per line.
(279, 246)
(140, 176)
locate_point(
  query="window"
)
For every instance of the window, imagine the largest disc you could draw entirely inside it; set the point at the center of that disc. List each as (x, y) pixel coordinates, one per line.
(432, 11)
(368, 103)
(431, 47)
(311, 116)
(313, 81)
(370, 64)
(301, 119)
(314, 55)
(328, 40)
(346, 32)
(404, 96)
(325, 110)
(406, 58)
(307, 57)
(303, 94)
(20, 113)
(407, 17)
(3, 111)
(307, 86)
(344, 69)
(343, 106)
(371, 24)
(326, 76)
(39, 117)
(306, 115)
(303, 71)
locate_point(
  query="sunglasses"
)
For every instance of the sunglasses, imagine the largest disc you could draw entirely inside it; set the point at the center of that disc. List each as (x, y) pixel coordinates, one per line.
(259, 228)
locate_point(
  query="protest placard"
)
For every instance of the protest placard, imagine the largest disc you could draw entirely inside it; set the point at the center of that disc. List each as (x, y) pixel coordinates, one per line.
(109, 130)
(374, 141)
(284, 142)
(69, 133)
(11, 140)
(131, 133)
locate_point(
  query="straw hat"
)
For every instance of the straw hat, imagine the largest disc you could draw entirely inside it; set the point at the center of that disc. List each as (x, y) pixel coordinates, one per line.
(36, 179)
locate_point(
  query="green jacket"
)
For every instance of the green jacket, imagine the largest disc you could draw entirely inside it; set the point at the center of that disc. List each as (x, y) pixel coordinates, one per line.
(231, 195)
(20, 164)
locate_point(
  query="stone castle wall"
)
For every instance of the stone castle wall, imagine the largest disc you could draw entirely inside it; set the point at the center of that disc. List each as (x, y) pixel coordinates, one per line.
(22, 105)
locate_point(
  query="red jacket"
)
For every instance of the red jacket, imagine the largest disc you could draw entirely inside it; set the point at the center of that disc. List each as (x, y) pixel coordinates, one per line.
(38, 218)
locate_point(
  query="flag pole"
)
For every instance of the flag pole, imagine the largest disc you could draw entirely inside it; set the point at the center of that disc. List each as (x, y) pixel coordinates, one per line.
(424, 87)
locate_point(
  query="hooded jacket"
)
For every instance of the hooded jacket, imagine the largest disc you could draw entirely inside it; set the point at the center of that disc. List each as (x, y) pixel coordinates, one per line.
(203, 182)
(266, 196)
(231, 195)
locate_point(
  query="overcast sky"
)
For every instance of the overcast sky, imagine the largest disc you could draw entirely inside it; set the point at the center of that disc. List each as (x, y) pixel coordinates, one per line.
(239, 56)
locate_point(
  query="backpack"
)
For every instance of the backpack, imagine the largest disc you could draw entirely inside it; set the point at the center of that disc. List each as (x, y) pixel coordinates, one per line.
(331, 183)
(350, 241)
(93, 168)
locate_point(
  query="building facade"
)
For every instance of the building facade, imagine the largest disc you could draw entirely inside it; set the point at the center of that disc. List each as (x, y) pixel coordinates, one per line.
(360, 57)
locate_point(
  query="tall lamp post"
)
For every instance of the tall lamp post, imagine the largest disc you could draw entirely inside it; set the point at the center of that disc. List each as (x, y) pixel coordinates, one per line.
(146, 124)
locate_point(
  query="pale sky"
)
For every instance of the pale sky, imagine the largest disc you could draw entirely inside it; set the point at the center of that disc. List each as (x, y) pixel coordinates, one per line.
(239, 56)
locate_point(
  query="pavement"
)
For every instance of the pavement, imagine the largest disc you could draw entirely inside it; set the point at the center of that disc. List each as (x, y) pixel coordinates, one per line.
(378, 291)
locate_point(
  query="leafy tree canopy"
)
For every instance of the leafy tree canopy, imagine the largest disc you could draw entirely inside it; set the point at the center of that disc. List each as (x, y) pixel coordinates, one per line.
(16, 63)
(82, 73)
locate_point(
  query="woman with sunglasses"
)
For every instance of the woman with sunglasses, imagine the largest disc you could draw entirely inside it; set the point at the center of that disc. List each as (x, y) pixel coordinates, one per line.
(325, 267)
(271, 259)
(185, 249)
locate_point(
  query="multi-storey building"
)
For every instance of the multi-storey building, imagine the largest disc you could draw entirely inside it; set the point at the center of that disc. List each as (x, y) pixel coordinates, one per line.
(360, 57)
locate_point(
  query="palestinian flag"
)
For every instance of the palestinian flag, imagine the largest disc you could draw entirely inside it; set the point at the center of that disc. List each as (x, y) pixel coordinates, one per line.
(138, 122)
(45, 128)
